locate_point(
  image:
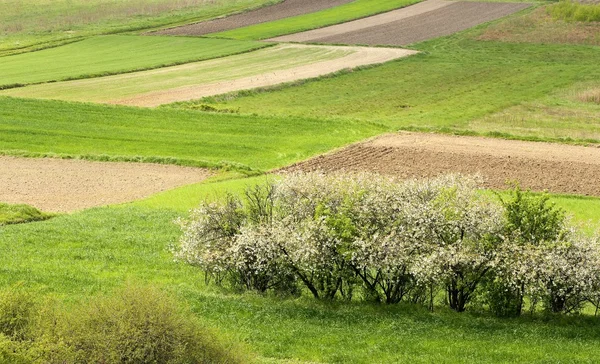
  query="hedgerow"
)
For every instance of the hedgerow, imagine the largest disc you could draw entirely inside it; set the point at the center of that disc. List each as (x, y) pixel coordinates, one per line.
(369, 237)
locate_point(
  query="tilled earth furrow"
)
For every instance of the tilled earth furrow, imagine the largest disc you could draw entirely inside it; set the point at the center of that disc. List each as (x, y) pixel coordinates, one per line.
(285, 9)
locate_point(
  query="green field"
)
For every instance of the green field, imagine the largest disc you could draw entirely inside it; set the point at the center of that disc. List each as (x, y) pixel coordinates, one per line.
(354, 10)
(458, 84)
(192, 74)
(31, 24)
(112, 54)
(35, 128)
(107, 247)
(454, 85)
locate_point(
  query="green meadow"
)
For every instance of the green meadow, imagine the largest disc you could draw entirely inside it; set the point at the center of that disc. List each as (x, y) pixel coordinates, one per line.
(27, 25)
(112, 54)
(354, 10)
(128, 85)
(457, 84)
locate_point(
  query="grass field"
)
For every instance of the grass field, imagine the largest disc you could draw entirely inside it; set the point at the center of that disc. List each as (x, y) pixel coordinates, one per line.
(112, 54)
(351, 11)
(454, 82)
(458, 84)
(34, 127)
(107, 247)
(128, 85)
(26, 24)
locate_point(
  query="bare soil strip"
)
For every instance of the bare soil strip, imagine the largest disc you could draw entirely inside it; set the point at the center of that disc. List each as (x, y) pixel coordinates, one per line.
(285, 9)
(539, 166)
(359, 56)
(419, 25)
(58, 185)
(365, 23)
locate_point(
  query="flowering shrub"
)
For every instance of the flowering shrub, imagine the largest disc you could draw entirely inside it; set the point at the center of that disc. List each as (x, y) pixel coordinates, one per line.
(394, 241)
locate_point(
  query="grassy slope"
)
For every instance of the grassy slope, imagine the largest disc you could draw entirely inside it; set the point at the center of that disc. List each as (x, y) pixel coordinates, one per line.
(34, 127)
(454, 82)
(107, 246)
(340, 14)
(192, 74)
(17, 214)
(24, 23)
(113, 54)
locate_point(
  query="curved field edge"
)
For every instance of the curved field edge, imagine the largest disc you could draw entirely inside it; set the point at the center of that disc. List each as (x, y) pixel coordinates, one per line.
(340, 14)
(65, 21)
(450, 86)
(98, 132)
(111, 55)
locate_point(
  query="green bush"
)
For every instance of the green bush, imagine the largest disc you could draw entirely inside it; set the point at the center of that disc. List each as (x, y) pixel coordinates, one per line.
(572, 11)
(134, 325)
(16, 214)
(17, 309)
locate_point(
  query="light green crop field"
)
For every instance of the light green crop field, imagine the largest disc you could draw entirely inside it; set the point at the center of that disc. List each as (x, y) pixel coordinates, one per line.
(354, 10)
(36, 127)
(112, 54)
(27, 24)
(452, 86)
(192, 74)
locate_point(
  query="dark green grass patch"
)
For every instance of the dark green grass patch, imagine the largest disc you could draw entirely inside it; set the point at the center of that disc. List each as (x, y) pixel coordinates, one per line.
(107, 55)
(452, 83)
(98, 132)
(17, 214)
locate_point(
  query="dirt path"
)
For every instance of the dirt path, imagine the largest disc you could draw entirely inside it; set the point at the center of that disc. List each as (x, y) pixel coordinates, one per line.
(540, 166)
(358, 56)
(285, 9)
(59, 185)
(362, 24)
(427, 20)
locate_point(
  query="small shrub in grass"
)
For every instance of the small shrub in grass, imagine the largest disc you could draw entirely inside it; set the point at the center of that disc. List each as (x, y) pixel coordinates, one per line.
(16, 214)
(569, 10)
(135, 325)
(17, 311)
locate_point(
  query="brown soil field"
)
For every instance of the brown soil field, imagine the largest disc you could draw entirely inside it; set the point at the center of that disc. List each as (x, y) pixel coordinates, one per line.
(59, 185)
(365, 23)
(538, 166)
(285, 9)
(358, 56)
(421, 25)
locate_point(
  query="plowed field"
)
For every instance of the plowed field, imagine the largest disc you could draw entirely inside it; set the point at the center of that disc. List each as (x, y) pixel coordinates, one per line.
(278, 11)
(60, 185)
(427, 20)
(539, 166)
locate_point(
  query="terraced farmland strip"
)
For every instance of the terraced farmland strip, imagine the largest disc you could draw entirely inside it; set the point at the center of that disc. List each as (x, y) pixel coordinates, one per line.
(113, 54)
(353, 10)
(283, 63)
(439, 22)
(539, 166)
(365, 23)
(285, 9)
(61, 185)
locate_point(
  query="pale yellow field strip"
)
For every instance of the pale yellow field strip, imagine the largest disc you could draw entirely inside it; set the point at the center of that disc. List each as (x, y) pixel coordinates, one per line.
(265, 67)
(360, 24)
(357, 56)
